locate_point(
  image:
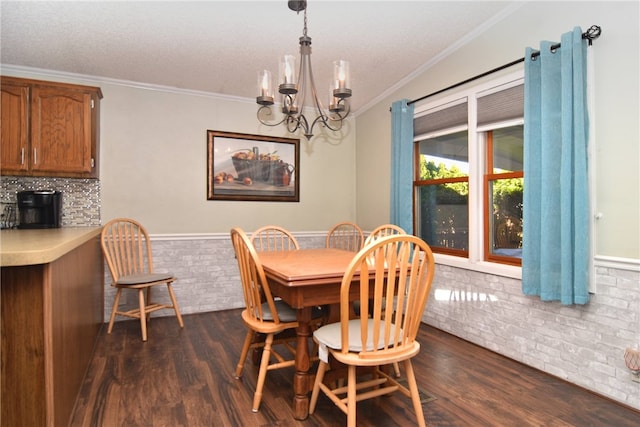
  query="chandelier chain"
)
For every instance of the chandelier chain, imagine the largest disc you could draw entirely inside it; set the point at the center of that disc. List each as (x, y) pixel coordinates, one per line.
(304, 31)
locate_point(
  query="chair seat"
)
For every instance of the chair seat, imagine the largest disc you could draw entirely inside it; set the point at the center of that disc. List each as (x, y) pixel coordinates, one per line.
(330, 337)
(137, 279)
(286, 313)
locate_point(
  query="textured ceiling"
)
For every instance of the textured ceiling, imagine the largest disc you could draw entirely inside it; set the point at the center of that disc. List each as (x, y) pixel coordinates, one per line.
(219, 46)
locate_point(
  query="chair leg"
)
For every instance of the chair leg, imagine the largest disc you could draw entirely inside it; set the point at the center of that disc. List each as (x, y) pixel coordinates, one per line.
(143, 315)
(351, 396)
(258, 343)
(322, 367)
(262, 374)
(415, 394)
(396, 369)
(245, 351)
(148, 302)
(116, 303)
(175, 305)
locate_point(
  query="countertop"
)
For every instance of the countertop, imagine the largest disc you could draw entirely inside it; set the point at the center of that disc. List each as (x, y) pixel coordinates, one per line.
(31, 247)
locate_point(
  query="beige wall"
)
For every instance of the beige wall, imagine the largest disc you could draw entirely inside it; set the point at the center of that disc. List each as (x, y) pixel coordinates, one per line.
(153, 162)
(616, 72)
(154, 166)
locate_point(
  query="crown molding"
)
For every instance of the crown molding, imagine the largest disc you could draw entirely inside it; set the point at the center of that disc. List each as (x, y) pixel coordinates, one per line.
(21, 71)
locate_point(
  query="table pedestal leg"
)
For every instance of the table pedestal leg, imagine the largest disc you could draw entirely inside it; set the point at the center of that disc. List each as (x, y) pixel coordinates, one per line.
(301, 379)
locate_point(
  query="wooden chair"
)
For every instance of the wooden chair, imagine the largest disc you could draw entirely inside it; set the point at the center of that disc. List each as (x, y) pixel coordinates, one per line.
(382, 231)
(378, 232)
(262, 315)
(386, 336)
(273, 238)
(127, 251)
(345, 235)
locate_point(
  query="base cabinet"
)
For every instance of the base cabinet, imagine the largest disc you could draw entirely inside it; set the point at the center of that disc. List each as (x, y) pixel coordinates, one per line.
(51, 316)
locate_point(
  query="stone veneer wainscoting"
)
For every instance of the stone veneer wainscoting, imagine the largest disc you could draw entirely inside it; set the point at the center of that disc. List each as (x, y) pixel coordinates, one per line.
(80, 197)
(581, 344)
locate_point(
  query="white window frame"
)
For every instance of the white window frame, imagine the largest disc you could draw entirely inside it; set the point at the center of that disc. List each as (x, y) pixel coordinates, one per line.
(477, 167)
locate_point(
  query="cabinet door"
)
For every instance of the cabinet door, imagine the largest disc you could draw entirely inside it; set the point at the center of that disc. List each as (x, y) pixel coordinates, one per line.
(60, 130)
(14, 128)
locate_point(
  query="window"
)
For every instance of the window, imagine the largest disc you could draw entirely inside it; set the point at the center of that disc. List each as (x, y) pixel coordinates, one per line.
(504, 179)
(469, 173)
(442, 192)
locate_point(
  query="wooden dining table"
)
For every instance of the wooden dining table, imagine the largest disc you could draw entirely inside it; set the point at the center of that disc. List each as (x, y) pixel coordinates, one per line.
(304, 279)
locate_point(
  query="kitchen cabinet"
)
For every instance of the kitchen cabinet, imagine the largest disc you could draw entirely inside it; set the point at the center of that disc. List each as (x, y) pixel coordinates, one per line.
(15, 102)
(49, 129)
(51, 312)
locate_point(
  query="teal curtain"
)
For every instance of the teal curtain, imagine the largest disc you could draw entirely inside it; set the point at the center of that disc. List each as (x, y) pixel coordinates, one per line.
(401, 161)
(556, 244)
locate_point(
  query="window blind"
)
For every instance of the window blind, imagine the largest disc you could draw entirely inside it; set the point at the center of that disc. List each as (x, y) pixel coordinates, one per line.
(442, 119)
(500, 106)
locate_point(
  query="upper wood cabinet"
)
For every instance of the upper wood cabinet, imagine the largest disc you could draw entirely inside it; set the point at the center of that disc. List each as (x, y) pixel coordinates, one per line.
(15, 130)
(49, 129)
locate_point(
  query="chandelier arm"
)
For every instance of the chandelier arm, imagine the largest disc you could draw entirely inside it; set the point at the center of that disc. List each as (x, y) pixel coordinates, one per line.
(305, 63)
(266, 110)
(342, 114)
(314, 92)
(302, 75)
(288, 105)
(304, 124)
(295, 122)
(322, 117)
(326, 122)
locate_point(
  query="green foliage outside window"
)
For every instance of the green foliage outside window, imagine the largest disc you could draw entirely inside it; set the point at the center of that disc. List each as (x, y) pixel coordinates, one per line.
(451, 192)
(507, 197)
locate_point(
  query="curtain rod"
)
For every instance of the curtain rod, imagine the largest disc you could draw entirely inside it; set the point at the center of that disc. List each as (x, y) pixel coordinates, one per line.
(590, 35)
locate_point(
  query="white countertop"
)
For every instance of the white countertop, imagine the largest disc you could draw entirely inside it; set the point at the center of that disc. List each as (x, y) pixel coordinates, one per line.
(30, 247)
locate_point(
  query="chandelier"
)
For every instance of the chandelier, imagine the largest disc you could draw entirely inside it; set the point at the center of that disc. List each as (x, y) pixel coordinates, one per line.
(294, 89)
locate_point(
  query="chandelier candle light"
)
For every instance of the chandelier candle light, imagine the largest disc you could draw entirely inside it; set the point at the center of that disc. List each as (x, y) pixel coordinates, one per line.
(294, 89)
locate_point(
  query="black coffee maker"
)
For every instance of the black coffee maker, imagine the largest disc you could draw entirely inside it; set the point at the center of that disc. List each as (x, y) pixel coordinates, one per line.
(39, 209)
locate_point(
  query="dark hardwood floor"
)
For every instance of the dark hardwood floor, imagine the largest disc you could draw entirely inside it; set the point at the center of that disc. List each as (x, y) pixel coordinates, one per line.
(186, 378)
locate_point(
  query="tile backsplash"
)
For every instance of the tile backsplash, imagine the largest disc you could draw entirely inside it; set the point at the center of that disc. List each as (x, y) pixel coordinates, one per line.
(80, 197)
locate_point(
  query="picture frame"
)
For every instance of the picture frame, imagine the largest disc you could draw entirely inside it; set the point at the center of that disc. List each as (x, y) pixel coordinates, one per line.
(247, 167)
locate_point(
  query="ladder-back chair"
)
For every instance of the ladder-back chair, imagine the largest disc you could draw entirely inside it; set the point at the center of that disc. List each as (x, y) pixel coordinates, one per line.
(127, 251)
(262, 315)
(382, 231)
(399, 268)
(345, 235)
(273, 238)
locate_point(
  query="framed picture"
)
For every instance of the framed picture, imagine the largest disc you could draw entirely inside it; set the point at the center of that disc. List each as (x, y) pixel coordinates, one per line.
(252, 167)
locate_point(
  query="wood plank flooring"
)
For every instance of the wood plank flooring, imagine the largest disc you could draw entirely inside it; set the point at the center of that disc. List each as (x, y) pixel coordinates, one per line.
(186, 378)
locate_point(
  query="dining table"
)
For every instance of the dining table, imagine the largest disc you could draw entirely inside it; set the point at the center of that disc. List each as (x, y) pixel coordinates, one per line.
(307, 278)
